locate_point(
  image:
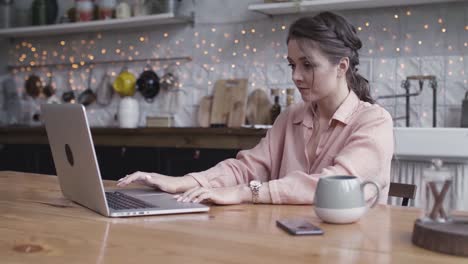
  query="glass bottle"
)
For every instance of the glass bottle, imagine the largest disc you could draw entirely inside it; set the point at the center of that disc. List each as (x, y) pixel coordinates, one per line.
(275, 109)
(6, 14)
(290, 96)
(437, 194)
(39, 12)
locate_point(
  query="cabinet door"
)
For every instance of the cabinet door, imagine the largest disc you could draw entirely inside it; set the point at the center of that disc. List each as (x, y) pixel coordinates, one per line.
(116, 162)
(178, 162)
(19, 158)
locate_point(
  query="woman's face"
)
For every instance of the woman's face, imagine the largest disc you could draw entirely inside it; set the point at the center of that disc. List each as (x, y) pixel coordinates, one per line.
(312, 73)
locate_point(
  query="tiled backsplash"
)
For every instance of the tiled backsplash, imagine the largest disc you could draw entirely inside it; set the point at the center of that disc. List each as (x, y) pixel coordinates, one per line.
(228, 41)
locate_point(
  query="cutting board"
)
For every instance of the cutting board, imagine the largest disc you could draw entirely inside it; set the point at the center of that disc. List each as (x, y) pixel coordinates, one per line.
(258, 108)
(229, 102)
(204, 111)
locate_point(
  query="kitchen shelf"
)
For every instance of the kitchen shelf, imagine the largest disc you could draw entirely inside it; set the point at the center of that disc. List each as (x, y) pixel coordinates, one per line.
(295, 7)
(94, 26)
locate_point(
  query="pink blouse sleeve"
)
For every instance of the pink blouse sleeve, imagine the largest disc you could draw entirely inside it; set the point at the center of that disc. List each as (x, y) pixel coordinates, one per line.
(248, 165)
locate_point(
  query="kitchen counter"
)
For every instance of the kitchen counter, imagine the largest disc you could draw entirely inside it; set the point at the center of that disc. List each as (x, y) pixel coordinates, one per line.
(423, 144)
(177, 137)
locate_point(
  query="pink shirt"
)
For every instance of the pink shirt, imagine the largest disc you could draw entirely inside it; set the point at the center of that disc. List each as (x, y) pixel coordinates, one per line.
(359, 141)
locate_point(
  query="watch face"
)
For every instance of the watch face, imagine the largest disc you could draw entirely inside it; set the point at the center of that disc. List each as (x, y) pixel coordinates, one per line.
(255, 184)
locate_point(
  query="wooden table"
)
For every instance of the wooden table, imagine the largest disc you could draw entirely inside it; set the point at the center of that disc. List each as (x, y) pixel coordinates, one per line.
(37, 225)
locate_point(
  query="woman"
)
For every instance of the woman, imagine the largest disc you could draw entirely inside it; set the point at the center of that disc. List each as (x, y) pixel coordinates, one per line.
(337, 130)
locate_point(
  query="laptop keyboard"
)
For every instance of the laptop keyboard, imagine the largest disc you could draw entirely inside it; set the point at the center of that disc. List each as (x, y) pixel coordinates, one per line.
(120, 201)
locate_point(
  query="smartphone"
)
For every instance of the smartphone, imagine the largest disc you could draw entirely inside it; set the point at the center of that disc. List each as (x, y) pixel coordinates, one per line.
(299, 227)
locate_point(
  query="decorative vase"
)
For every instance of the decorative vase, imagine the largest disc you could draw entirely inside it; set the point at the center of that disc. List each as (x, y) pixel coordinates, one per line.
(129, 113)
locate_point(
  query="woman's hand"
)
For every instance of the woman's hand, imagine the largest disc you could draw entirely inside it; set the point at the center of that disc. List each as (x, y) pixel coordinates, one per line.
(165, 183)
(229, 195)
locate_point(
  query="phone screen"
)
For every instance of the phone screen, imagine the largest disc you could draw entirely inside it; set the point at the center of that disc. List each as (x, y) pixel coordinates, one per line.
(299, 227)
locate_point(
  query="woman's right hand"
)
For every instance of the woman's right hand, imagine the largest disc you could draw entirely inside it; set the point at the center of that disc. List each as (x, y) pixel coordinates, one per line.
(165, 183)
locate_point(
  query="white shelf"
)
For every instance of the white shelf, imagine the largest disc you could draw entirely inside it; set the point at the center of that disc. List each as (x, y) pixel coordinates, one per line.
(330, 5)
(94, 26)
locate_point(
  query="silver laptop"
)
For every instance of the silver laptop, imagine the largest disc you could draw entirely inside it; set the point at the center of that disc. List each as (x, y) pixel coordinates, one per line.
(79, 175)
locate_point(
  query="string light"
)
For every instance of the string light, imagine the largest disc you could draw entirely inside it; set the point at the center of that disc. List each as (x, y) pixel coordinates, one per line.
(167, 48)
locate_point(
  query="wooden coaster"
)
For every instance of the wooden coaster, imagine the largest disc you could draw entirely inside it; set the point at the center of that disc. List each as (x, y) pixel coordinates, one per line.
(450, 238)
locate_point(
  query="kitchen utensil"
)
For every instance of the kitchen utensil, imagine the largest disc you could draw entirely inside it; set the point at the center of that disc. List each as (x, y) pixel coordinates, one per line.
(49, 89)
(51, 11)
(106, 8)
(88, 96)
(44, 12)
(204, 111)
(84, 10)
(6, 14)
(166, 6)
(230, 97)
(258, 108)
(33, 86)
(123, 10)
(39, 12)
(141, 7)
(104, 90)
(125, 82)
(69, 96)
(169, 81)
(148, 84)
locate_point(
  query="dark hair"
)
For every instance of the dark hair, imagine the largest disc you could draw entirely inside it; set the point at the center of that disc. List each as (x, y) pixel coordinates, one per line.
(337, 39)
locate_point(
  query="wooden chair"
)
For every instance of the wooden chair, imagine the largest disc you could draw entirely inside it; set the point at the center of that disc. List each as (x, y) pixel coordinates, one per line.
(402, 190)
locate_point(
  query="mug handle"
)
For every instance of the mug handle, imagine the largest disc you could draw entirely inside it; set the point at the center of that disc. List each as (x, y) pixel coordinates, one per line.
(376, 187)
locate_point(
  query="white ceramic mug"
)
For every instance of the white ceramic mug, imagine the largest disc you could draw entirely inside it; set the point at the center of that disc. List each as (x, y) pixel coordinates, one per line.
(340, 199)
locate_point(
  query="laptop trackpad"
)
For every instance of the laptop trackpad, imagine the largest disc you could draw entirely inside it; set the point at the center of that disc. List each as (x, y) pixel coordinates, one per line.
(151, 196)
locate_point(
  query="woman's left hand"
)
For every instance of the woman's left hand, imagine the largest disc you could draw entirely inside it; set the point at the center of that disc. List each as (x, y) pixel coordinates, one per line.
(229, 195)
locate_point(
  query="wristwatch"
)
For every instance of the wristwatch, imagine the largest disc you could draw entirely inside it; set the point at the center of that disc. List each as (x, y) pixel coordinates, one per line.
(255, 188)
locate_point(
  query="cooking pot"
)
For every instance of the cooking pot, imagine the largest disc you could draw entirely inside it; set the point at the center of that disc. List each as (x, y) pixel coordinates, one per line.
(148, 84)
(33, 86)
(169, 80)
(124, 84)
